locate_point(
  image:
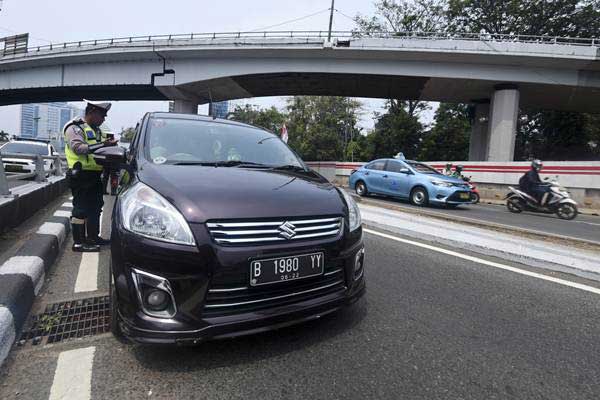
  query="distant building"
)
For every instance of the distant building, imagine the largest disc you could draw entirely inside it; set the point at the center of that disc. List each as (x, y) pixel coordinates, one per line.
(220, 109)
(46, 121)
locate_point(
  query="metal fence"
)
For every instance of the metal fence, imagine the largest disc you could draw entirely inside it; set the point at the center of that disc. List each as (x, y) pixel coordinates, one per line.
(318, 35)
(39, 174)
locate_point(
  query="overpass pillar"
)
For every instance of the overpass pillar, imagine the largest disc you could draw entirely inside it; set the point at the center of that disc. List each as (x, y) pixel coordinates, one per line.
(185, 107)
(480, 134)
(503, 123)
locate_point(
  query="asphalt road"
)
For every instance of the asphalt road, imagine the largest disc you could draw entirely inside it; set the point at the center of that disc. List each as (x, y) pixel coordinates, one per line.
(583, 227)
(431, 326)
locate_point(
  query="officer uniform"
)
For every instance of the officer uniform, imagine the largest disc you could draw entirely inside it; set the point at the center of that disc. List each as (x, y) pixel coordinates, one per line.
(85, 181)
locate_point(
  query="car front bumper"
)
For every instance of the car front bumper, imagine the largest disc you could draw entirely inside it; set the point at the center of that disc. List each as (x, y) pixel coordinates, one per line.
(193, 271)
(443, 195)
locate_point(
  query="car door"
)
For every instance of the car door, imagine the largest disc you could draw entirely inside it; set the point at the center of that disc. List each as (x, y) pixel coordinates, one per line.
(374, 176)
(398, 179)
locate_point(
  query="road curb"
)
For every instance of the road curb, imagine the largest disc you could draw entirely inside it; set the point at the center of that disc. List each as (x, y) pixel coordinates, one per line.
(22, 276)
(567, 240)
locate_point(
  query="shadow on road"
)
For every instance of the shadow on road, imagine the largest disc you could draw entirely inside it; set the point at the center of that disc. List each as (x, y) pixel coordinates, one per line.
(252, 348)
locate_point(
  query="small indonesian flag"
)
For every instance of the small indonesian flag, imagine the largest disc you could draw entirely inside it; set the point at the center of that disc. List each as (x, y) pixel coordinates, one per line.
(284, 135)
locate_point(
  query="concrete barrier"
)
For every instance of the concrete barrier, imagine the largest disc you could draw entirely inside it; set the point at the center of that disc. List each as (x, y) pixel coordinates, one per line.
(493, 178)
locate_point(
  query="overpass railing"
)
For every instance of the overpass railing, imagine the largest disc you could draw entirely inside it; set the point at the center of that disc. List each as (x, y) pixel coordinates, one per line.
(319, 35)
(39, 174)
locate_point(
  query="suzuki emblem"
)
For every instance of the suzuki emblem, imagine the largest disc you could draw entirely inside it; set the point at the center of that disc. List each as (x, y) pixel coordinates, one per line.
(287, 230)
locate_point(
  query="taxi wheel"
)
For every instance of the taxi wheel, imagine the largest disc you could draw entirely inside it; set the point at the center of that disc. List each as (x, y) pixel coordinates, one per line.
(419, 196)
(361, 189)
(115, 327)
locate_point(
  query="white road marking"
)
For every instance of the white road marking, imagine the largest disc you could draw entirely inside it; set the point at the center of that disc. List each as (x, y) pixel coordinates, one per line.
(67, 204)
(61, 213)
(488, 263)
(73, 375)
(589, 223)
(87, 277)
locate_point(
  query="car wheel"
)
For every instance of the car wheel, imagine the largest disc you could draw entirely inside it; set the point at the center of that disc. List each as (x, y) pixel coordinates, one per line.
(419, 197)
(361, 189)
(567, 211)
(515, 205)
(115, 327)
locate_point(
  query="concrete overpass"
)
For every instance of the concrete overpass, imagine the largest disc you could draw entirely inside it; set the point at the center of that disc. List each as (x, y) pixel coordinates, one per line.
(497, 73)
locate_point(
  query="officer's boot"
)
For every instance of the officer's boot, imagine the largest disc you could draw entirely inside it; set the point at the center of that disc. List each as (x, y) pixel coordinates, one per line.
(79, 243)
(93, 232)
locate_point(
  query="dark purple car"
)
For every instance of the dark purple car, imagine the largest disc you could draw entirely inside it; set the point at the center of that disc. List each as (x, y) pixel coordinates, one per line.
(221, 230)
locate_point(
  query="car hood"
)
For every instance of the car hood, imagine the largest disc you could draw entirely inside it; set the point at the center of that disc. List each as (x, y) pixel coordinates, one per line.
(207, 193)
(446, 179)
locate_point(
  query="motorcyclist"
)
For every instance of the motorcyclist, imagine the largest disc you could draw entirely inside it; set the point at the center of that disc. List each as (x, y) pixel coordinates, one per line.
(458, 172)
(531, 183)
(448, 170)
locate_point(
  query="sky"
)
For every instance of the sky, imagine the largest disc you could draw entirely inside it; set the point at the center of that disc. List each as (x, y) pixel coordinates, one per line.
(59, 21)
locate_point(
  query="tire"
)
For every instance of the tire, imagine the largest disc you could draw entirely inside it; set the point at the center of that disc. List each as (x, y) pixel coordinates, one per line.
(515, 205)
(567, 211)
(115, 327)
(361, 189)
(419, 197)
(475, 198)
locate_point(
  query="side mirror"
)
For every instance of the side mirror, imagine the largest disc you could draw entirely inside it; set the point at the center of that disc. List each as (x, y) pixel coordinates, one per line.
(405, 171)
(112, 157)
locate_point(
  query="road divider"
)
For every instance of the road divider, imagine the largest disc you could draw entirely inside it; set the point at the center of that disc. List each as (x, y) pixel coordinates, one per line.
(482, 261)
(540, 253)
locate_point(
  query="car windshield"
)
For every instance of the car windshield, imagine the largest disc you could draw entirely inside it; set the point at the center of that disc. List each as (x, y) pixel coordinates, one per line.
(180, 141)
(25, 148)
(422, 168)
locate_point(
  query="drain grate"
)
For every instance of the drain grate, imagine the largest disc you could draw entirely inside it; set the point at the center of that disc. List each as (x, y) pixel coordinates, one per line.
(66, 320)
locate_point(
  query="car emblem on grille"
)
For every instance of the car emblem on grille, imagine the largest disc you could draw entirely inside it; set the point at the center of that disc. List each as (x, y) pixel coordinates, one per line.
(287, 230)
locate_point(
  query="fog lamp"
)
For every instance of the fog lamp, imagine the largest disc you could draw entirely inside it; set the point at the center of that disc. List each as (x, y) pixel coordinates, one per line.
(157, 300)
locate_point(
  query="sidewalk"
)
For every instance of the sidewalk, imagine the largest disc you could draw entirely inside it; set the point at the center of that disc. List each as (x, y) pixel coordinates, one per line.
(545, 253)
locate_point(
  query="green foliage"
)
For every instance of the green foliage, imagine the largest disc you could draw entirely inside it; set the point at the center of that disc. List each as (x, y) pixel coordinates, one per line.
(450, 135)
(270, 119)
(395, 131)
(320, 128)
(127, 134)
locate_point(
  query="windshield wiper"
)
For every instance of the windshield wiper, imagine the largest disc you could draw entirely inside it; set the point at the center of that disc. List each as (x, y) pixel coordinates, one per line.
(290, 167)
(241, 164)
(193, 163)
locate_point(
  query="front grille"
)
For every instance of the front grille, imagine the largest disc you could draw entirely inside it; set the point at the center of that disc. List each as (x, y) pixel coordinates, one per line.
(232, 300)
(293, 229)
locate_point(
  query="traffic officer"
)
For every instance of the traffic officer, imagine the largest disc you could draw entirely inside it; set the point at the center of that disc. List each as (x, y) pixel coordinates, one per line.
(82, 138)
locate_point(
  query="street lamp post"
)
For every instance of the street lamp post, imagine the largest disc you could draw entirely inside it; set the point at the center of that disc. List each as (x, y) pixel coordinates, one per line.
(330, 21)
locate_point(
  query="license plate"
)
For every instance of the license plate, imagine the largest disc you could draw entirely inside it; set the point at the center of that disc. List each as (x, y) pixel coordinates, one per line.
(465, 196)
(283, 269)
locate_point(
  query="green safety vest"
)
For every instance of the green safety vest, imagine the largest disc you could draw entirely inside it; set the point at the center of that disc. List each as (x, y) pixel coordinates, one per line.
(87, 161)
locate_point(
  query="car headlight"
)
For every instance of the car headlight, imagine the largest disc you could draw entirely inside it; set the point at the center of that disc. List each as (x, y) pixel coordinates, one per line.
(355, 221)
(442, 183)
(147, 213)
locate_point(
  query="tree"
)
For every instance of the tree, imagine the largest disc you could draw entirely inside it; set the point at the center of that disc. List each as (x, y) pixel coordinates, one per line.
(320, 128)
(127, 134)
(270, 119)
(449, 137)
(395, 131)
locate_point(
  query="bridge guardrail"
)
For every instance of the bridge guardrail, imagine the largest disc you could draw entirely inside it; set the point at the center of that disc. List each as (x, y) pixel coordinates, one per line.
(40, 170)
(344, 35)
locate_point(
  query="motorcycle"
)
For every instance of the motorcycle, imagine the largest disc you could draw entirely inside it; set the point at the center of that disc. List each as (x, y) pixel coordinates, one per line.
(474, 192)
(556, 200)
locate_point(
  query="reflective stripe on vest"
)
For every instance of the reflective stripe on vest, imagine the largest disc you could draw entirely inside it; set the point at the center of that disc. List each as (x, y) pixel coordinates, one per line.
(87, 160)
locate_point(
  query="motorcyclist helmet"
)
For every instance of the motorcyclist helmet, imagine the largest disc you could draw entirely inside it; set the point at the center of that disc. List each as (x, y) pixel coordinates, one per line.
(459, 168)
(537, 165)
(449, 165)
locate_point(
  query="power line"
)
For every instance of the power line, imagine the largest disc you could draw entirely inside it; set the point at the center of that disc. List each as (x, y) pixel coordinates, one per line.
(290, 21)
(344, 15)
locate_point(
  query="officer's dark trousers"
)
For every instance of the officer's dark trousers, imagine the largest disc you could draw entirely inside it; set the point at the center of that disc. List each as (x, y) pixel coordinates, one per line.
(87, 190)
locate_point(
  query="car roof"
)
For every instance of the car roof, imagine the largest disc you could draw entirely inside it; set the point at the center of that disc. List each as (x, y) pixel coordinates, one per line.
(205, 118)
(36, 142)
